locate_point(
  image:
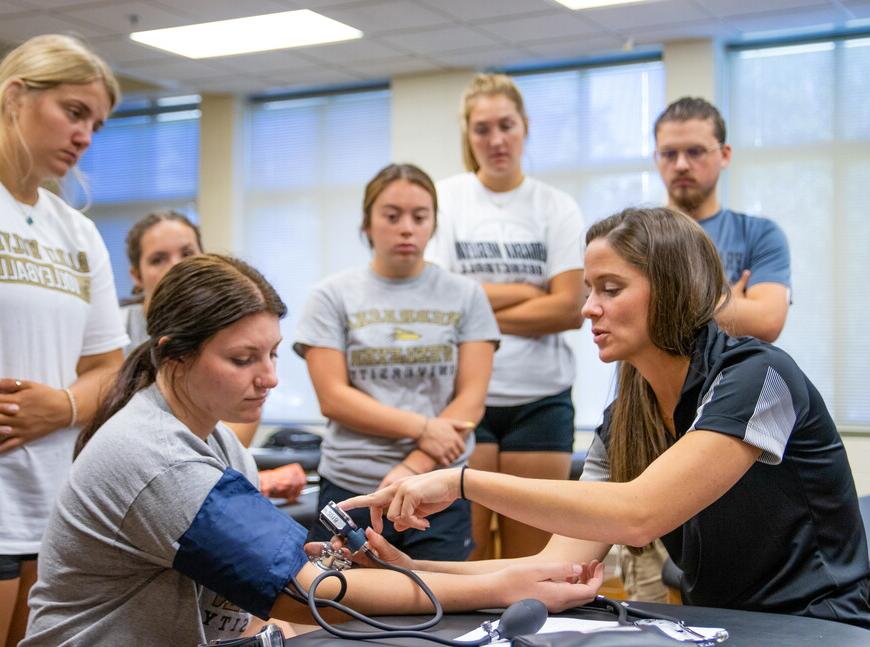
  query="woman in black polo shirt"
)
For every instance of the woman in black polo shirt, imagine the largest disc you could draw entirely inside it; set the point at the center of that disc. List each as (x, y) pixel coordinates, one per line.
(719, 445)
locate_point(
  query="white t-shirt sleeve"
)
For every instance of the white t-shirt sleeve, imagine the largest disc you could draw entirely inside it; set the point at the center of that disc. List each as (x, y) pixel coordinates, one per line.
(565, 237)
(104, 331)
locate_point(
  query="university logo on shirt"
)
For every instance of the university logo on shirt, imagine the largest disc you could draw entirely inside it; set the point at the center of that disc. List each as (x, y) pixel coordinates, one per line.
(25, 261)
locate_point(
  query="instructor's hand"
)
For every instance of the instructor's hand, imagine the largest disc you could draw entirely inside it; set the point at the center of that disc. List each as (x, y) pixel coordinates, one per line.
(408, 501)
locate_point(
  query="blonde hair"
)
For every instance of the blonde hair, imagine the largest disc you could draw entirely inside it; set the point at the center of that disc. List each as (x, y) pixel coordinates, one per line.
(487, 85)
(47, 61)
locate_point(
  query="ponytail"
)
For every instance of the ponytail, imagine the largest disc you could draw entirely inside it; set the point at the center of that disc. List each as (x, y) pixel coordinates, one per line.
(137, 373)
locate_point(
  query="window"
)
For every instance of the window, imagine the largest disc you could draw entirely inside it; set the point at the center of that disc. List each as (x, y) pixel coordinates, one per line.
(144, 159)
(800, 123)
(591, 134)
(308, 160)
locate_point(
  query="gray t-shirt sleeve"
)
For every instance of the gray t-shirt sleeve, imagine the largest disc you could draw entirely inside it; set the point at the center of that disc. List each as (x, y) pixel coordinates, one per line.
(165, 508)
(769, 258)
(322, 322)
(479, 323)
(596, 467)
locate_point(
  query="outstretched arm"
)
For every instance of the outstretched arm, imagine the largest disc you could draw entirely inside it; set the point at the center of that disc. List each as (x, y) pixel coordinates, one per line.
(559, 585)
(605, 512)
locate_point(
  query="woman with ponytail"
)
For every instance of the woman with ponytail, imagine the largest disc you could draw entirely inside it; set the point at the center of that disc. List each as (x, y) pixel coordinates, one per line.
(719, 445)
(160, 536)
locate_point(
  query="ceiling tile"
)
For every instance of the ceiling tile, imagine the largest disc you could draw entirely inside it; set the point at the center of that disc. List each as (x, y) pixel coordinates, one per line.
(723, 8)
(378, 70)
(211, 10)
(121, 51)
(487, 57)
(787, 21)
(118, 17)
(857, 8)
(658, 35)
(315, 78)
(661, 12)
(389, 16)
(55, 4)
(364, 49)
(177, 69)
(574, 48)
(463, 10)
(18, 28)
(536, 28)
(14, 7)
(439, 40)
(263, 63)
(234, 84)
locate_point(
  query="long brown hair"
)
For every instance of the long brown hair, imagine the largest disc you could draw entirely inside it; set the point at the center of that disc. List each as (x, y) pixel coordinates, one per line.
(687, 286)
(196, 299)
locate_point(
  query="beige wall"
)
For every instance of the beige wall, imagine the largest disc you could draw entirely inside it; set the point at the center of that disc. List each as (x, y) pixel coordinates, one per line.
(425, 121)
(692, 68)
(221, 158)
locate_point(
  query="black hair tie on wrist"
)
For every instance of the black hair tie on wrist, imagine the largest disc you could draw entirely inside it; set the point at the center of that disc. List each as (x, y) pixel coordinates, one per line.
(462, 482)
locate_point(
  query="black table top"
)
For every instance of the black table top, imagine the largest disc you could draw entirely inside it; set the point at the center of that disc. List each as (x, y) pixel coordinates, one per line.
(745, 628)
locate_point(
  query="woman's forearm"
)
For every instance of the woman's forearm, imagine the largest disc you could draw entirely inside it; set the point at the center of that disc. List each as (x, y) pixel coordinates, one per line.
(352, 408)
(374, 591)
(95, 374)
(505, 295)
(544, 315)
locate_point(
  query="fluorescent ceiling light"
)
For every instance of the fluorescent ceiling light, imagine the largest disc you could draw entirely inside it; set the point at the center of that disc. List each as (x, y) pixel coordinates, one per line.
(245, 35)
(589, 4)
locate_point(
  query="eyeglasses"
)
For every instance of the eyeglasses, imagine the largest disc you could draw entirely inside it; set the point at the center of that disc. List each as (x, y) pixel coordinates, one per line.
(693, 154)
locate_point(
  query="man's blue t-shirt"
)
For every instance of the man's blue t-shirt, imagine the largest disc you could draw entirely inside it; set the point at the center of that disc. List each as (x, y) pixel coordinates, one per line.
(749, 243)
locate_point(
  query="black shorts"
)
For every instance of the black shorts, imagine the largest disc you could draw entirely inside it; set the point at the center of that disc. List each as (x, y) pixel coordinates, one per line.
(448, 537)
(545, 425)
(10, 565)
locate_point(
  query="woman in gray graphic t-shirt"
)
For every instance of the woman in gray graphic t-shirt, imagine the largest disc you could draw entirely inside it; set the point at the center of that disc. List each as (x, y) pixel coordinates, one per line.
(400, 355)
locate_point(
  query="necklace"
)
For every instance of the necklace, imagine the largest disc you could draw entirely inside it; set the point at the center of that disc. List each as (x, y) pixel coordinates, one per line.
(26, 211)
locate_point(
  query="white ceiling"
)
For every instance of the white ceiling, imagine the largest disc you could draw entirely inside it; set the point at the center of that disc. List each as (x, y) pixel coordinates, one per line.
(408, 36)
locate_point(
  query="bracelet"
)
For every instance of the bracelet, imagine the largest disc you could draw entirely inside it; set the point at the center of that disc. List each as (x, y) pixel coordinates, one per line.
(423, 431)
(74, 411)
(462, 482)
(409, 468)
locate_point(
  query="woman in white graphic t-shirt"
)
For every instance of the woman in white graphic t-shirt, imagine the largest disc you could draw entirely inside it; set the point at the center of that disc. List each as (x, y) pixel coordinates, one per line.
(522, 240)
(60, 332)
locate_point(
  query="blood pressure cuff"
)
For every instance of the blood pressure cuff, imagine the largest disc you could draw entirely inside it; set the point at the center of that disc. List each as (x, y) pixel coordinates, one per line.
(241, 546)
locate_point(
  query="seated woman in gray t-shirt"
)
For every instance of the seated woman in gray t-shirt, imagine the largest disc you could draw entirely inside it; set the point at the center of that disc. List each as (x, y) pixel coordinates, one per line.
(400, 354)
(155, 244)
(160, 536)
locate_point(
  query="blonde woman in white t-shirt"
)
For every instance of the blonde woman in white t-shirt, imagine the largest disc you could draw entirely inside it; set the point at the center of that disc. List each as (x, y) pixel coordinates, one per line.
(60, 331)
(522, 240)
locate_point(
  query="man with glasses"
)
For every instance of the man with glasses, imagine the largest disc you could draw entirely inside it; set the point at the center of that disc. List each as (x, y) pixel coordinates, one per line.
(691, 153)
